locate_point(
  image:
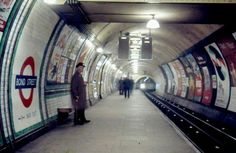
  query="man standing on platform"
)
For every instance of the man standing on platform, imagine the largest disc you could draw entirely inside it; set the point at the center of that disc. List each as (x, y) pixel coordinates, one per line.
(78, 93)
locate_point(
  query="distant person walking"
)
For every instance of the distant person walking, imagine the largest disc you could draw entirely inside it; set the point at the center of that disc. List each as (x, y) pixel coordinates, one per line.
(126, 86)
(78, 93)
(120, 86)
(131, 85)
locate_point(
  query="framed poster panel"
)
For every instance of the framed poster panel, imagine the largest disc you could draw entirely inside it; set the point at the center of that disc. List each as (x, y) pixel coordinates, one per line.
(227, 45)
(190, 77)
(222, 75)
(176, 82)
(169, 78)
(197, 77)
(207, 70)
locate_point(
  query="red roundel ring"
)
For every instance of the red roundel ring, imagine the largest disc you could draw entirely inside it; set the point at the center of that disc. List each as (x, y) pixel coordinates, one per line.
(28, 62)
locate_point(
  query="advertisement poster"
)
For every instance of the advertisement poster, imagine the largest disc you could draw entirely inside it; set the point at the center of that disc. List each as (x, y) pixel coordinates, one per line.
(190, 77)
(227, 45)
(5, 10)
(73, 45)
(96, 74)
(53, 67)
(205, 65)
(182, 78)
(84, 51)
(89, 61)
(62, 70)
(168, 74)
(69, 71)
(197, 77)
(222, 73)
(74, 42)
(176, 82)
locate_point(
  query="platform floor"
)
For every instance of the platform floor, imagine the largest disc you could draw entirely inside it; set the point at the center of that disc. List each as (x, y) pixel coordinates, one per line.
(118, 125)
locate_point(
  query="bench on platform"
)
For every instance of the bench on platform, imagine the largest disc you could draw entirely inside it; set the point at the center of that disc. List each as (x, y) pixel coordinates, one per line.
(63, 114)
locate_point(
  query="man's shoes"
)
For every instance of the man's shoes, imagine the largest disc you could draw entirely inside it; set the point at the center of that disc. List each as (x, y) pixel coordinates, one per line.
(81, 122)
(86, 121)
(78, 123)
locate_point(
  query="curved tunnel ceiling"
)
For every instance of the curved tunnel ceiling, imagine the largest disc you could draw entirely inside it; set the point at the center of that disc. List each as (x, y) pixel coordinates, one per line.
(182, 26)
(169, 41)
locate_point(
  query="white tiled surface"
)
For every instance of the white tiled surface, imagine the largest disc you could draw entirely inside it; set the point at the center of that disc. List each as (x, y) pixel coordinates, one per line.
(118, 125)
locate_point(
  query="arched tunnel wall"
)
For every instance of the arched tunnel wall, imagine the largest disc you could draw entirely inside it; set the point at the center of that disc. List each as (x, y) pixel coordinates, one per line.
(203, 77)
(39, 52)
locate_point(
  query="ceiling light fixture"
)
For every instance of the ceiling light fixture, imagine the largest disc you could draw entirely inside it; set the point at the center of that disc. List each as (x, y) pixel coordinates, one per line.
(99, 50)
(153, 23)
(50, 1)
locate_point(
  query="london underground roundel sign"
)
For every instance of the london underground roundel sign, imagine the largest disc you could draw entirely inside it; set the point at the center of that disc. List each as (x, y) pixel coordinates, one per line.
(24, 81)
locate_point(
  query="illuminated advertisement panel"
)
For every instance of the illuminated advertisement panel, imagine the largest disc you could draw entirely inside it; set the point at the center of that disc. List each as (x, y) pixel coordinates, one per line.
(74, 49)
(190, 78)
(89, 61)
(83, 57)
(182, 78)
(197, 77)
(62, 66)
(222, 73)
(85, 51)
(96, 76)
(177, 81)
(53, 67)
(168, 73)
(203, 61)
(227, 45)
(72, 45)
(63, 56)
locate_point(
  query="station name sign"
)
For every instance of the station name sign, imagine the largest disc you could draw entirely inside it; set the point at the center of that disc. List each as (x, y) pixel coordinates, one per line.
(24, 81)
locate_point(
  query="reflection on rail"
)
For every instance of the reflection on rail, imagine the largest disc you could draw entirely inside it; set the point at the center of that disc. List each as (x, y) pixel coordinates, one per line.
(207, 135)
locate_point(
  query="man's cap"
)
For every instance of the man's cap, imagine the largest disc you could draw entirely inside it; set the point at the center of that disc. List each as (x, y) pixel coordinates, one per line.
(80, 64)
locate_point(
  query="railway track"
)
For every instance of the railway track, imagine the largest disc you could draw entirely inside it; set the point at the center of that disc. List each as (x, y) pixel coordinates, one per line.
(207, 135)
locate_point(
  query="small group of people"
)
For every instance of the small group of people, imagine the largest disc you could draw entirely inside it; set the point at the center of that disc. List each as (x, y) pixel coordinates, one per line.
(78, 94)
(126, 86)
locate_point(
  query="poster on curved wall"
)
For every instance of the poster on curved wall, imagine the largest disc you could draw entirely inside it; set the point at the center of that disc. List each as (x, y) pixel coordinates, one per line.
(182, 78)
(25, 70)
(190, 78)
(89, 61)
(176, 82)
(222, 73)
(97, 74)
(5, 10)
(74, 48)
(73, 44)
(197, 77)
(86, 49)
(227, 45)
(63, 56)
(54, 74)
(68, 57)
(82, 57)
(207, 70)
(169, 77)
(92, 88)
